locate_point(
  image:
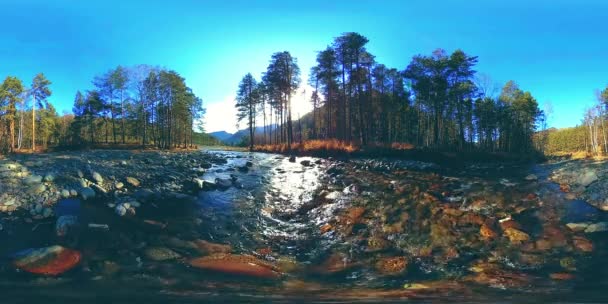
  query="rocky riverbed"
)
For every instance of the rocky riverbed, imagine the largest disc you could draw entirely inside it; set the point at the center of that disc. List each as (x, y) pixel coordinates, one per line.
(191, 225)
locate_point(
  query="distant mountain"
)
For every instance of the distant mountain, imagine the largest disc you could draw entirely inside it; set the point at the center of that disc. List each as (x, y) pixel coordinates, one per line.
(236, 138)
(221, 135)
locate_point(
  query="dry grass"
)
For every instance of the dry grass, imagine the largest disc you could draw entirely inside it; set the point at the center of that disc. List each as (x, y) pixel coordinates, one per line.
(311, 147)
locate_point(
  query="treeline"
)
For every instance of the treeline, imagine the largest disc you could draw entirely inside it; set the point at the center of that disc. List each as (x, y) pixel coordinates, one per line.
(591, 136)
(26, 117)
(141, 104)
(436, 102)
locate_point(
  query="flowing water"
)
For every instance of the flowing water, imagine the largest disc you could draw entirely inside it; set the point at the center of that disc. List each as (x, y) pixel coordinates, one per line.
(328, 226)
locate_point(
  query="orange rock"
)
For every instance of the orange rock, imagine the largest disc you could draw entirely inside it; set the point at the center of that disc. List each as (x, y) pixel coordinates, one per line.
(487, 232)
(355, 213)
(516, 236)
(392, 265)
(564, 188)
(582, 244)
(326, 228)
(264, 251)
(561, 276)
(244, 265)
(335, 263)
(504, 225)
(543, 245)
(52, 260)
(205, 247)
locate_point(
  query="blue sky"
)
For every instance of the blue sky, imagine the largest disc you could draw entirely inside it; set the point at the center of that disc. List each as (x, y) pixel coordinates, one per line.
(556, 49)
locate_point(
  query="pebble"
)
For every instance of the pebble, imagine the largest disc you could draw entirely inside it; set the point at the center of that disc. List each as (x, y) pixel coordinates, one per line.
(33, 179)
(65, 193)
(597, 227)
(97, 178)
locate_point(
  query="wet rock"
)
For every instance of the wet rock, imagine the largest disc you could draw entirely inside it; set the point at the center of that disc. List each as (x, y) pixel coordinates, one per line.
(561, 276)
(52, 260)
(516, 236)
(242, 265)
(223, 183)
(292, 159)
(33, 179)
(37, 189)
(333, 195)
(161, 254)
(336, 263)
(121, 210)
(97, 178)
(119, 185)
(305, 163)
(597, 227)
(134, 182)
(531, 177)
(392, 265)
(578, 227)
(487, 232)
(377, 243)
(243, 169)
(205, 247)
(87, 193)
(65, 193)
(587, 178)
(65, 224)
(49, 178)
(582, 244)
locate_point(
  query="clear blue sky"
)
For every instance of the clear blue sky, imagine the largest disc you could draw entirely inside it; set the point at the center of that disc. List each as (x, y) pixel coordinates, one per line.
(556, 49)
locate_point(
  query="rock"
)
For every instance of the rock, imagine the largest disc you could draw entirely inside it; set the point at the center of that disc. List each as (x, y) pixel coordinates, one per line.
(531, 177)
(47, 212)
(132, 181)
(292, 159)
(516, 236)
(578, 227)
(249, 164)
(49, 178)
(73, 192)
(376, 243)
(243, 265)
(333, 195)
(597, 227)
(87, 193)
(209, 248)
(487, 232)
(392, 265)
(305, 163)
(52, 260)
(33, 179)
(119, 185)
(587, 178)
(65, 193)
(161, 254)
(582, 244)
(64, 224)
(223, 183)
(120, 210)
(97, 178)
(561, 276)
(336, 263)
(37, 189)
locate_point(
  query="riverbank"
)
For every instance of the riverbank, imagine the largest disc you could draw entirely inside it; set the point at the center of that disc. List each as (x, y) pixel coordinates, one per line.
(343, 150)
(265, 225)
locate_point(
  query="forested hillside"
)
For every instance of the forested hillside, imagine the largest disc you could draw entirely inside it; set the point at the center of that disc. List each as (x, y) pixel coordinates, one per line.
(436, 102)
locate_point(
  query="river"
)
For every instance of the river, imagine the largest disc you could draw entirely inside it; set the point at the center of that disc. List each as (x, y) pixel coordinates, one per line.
(343, 232)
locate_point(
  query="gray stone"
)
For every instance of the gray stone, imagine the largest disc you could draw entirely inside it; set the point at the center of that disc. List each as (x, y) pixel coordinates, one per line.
(97, 178)
(73, 192)
(33, 179)
(531, 177)
(120, 210)
(87, 193)
(119, 185)
(37, 189)
(49, 177)
(597, 227)
(65, 193)
(587, 178)
(47, 212)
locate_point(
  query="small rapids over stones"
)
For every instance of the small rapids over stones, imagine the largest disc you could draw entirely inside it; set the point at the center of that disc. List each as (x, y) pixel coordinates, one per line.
(108, 226)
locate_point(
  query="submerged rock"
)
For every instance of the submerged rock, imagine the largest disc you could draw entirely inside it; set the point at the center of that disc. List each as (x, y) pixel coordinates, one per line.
(161, 254)
(87, 193)
(392, 265)
(53, 260)
(243, 265)
(64, 224)
(516, 236)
